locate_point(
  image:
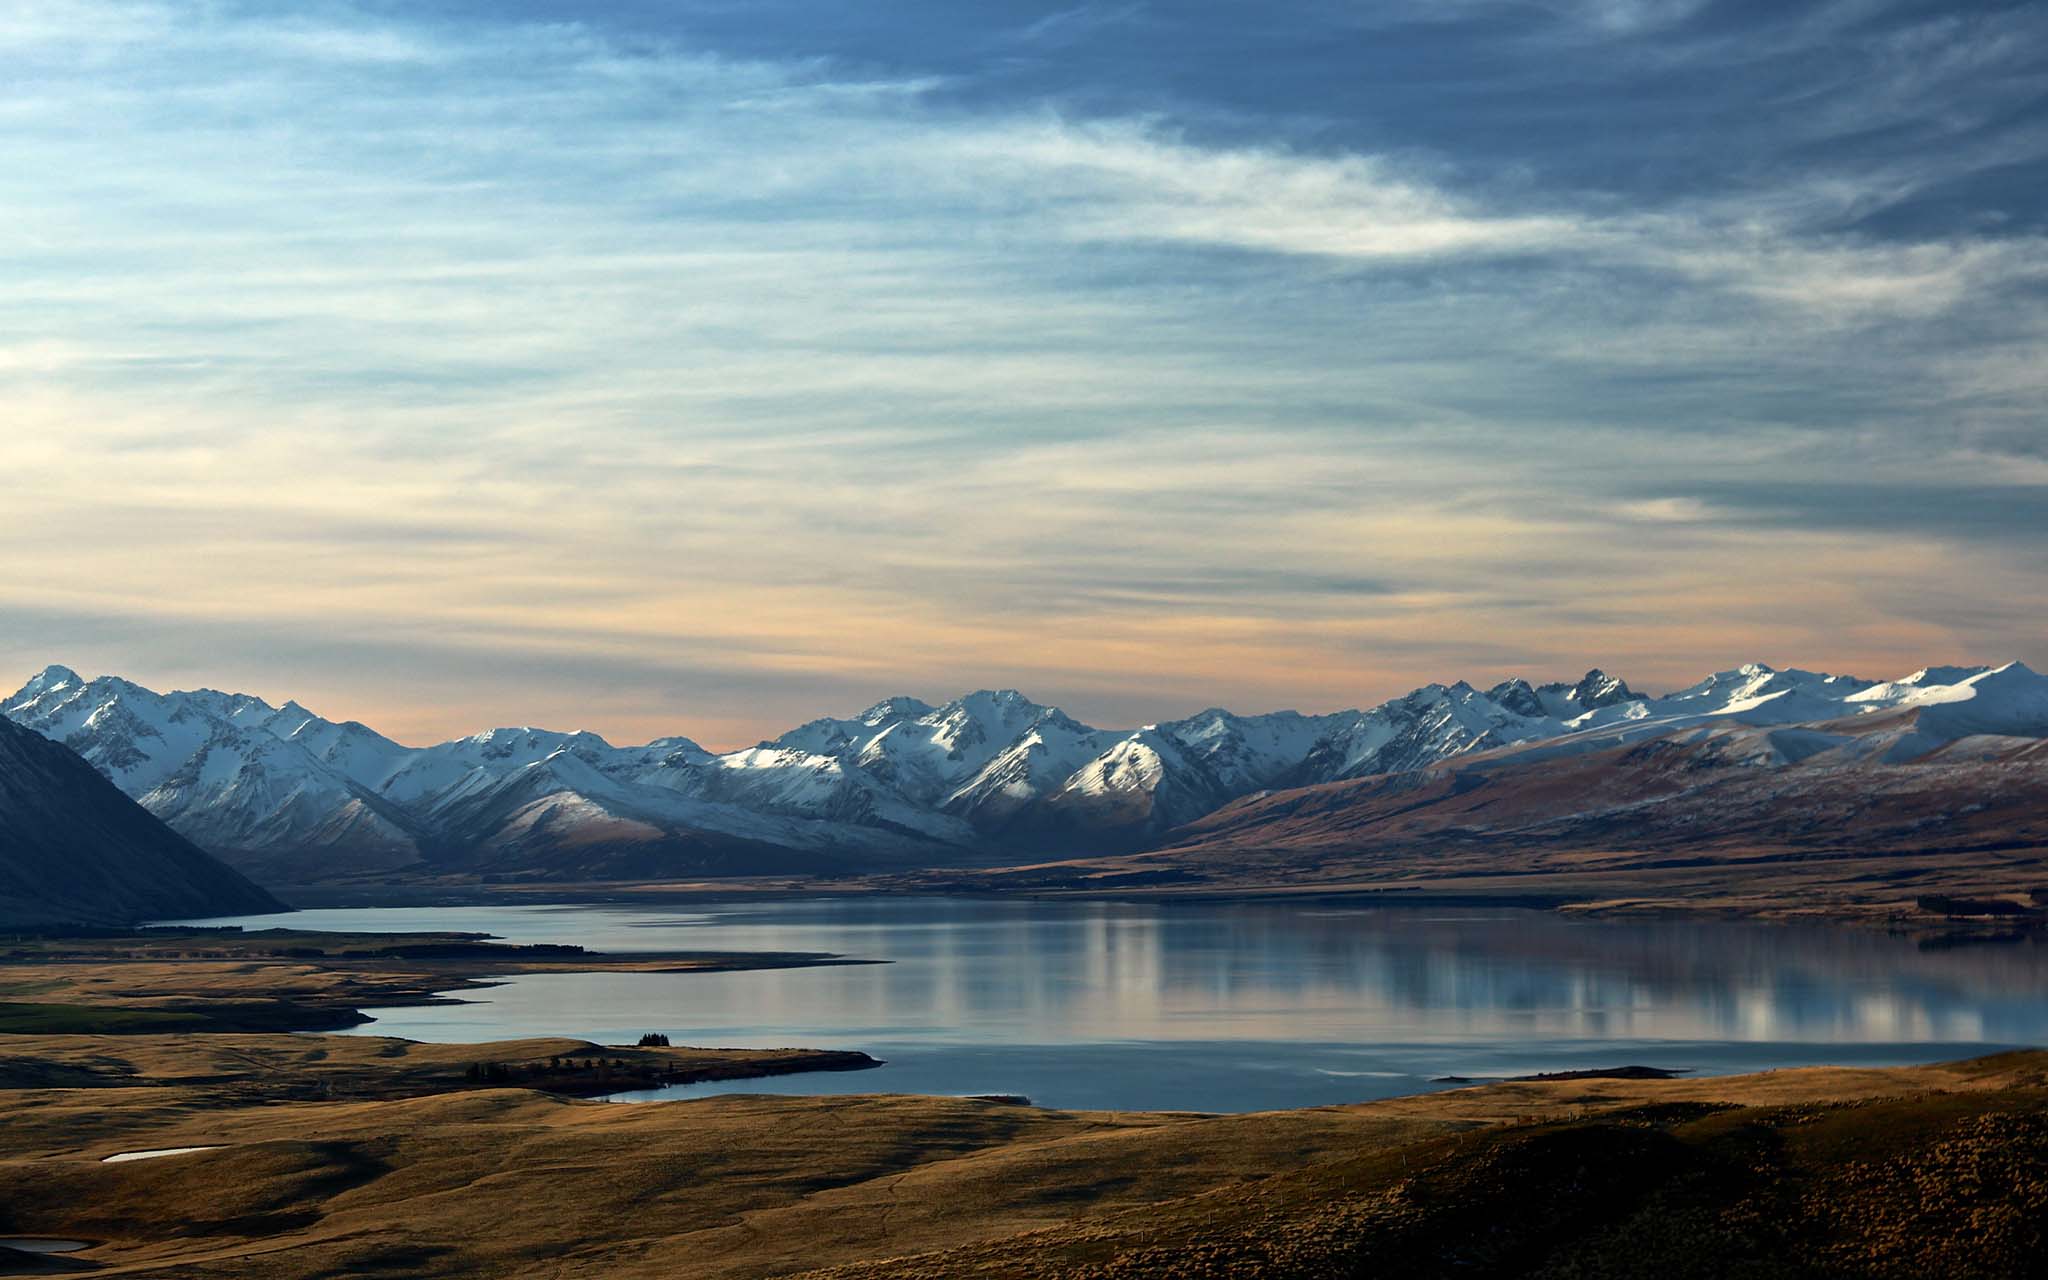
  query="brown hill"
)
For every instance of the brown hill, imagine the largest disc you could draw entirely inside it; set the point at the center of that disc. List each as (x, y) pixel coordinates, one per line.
(1922, 1171)
(1867, 798)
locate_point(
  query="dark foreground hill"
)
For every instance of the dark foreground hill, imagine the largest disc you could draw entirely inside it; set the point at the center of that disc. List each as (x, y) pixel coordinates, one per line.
(1921, 1184)
(75, 851)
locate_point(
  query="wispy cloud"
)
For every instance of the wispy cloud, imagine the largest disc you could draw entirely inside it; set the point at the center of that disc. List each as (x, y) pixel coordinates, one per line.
(757, 378)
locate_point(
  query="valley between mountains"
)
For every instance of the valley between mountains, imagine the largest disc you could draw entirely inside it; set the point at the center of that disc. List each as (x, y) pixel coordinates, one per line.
(1449, 788)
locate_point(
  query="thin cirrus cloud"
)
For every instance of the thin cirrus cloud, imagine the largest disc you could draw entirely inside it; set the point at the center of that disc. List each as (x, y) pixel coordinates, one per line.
(696, 378)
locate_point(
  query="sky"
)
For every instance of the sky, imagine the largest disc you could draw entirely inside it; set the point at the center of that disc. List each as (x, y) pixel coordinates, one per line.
(705, 366)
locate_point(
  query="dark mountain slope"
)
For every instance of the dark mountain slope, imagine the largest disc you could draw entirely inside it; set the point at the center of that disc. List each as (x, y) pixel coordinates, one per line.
(1874, 786)
(74, 850)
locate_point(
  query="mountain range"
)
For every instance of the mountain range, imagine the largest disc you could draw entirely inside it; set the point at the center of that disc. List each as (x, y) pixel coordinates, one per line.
(987, 778)
(1907, 792)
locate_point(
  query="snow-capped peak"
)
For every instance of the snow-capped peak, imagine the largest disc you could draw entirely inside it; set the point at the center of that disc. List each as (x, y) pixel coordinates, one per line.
(52, 678)
(2009, 700)
(996, 701)
(1800, 694)
(237, 774)
(1929, 676)
(1518, 696)
(900, 707)
(1598, 689)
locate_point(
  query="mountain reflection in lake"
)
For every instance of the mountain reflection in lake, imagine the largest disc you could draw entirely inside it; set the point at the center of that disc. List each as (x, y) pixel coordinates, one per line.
(1232, 1007)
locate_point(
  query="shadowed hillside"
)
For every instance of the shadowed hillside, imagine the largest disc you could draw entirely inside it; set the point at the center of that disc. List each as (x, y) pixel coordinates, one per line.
(1917, 1186)
(74, 850)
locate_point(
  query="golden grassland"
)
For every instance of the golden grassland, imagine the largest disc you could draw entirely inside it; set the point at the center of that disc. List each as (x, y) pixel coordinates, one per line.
(1915, 1171)
(233, 1070)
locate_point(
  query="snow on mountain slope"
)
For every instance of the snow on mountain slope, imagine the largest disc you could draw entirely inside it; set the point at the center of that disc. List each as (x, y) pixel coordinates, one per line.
(1159, 776)
(353, 750)
(294, 796)
(215, 769)
(1925, 680)
(832, 737)
(429, 775)
(937, 758)
(135, 737)
(246, 791)
(1594, 690)
(1245, 753)
(1759, 694)
(983, 760)
(984, 776)
(1146, 783)
(1163, 775)
(2011, 701)
(1037, 761)
(1834, 720)
(794, 784)
(1434, 723)
(1715, 787)
(563, 816)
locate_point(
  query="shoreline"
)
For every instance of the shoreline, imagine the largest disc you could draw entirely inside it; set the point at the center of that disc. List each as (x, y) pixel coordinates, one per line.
(228, 980)
(1444, 892)
(227, 1070)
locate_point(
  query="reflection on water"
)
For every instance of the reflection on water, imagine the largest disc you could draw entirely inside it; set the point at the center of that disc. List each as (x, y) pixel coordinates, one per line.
(1234, 1006)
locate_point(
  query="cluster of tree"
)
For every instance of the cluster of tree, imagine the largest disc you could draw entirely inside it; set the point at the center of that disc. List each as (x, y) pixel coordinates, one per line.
(464, 950)
(490, 1073)
(1942, 904)
(532, 1072)
(654, 1040)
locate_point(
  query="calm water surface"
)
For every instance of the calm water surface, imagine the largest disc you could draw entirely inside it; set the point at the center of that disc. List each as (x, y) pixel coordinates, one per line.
(1230, 1007)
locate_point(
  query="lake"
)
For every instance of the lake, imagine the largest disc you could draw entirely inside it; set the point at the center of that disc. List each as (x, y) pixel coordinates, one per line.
(1229, 1007)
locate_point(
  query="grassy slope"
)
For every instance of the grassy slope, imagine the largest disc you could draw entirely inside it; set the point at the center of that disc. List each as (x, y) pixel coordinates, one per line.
(1821, 1172)
(1913, 1186)
(232, 1070)
(22, 1018)
(286, 980)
